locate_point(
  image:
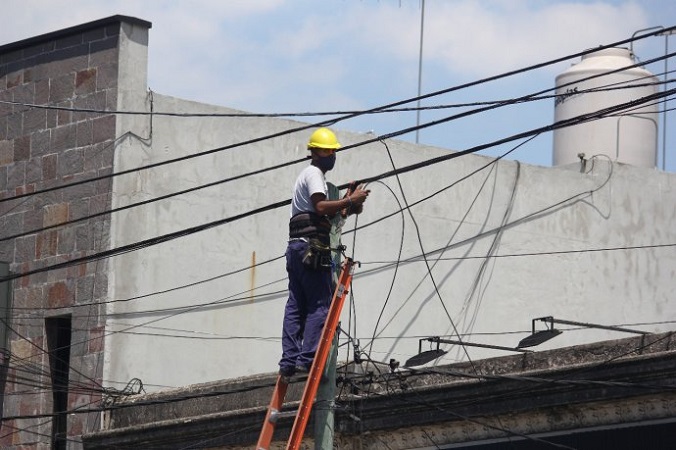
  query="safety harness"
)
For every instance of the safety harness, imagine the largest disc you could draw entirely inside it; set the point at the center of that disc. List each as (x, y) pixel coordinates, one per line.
(316, 230)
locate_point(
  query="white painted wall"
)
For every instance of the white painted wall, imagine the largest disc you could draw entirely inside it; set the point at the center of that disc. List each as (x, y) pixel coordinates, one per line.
(178, 319)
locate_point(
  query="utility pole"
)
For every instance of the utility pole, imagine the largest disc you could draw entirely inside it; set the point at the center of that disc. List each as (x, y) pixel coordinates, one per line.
(324, 407)
(324, 410)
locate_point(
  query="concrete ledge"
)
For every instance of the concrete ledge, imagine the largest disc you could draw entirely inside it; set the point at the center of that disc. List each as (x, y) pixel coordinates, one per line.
(607, 383)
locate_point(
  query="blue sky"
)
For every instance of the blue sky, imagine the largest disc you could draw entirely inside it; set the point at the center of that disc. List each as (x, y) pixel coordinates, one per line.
(336, 55)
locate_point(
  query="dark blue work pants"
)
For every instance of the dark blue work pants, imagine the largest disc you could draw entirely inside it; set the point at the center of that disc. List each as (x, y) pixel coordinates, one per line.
(310, 293)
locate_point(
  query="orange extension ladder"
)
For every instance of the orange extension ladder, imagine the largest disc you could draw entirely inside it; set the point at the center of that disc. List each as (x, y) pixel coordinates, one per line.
(315, 375)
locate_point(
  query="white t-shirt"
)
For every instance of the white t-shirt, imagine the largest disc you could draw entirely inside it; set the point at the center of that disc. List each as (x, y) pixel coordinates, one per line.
(310, 181)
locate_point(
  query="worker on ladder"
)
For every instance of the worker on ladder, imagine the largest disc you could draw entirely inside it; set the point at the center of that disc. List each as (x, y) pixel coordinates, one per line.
(308, 255)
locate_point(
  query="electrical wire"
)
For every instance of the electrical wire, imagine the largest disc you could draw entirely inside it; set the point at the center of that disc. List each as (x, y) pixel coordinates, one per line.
(195, 229)
(508, 209)
(423, 252)
(131, 327)
(527, 217)
(218, 182)
(515, 393)
(462, 220)
(163, 291)
(537, 380)
(409, 401)
(422, 249)
(546, 253)
(136, 403)
(271, 383)
(245, 115)
(383, 263)
(192, 334)
(390, 135)
(491, 250)
(28, 429)
(490, 164)
(353, 309)
(541, 253)
(628, 353)
(427, 265)
(396, 269)
(207, 185)
(53, 355)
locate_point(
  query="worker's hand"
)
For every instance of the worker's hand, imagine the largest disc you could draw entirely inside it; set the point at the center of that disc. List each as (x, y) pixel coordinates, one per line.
(358, 197)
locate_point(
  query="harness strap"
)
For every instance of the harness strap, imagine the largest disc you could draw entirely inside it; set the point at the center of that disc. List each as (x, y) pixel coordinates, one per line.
(310, 225)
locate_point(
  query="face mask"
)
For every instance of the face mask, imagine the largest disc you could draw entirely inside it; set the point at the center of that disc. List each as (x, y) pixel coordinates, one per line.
(326, 163)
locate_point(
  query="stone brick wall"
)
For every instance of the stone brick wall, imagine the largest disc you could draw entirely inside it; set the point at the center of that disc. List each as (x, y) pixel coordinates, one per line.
(47, 141)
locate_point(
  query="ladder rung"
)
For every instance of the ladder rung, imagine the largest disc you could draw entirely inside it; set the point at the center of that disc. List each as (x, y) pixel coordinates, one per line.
(276, 415)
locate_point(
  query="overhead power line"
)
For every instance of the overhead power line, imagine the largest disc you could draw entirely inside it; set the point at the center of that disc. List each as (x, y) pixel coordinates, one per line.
(531, 381)
(167, 239)
(356, 114)
(278, 166)
(206, 226)
(229, 179)
(518, 255)
(394, 134)
(370, 224)
(143, 325)
(229, 300)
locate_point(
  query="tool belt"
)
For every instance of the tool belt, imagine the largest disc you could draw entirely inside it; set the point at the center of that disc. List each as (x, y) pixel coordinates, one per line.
(317, 256)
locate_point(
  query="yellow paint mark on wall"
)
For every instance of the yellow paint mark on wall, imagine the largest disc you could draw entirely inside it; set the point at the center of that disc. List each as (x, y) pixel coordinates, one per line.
(253, 275)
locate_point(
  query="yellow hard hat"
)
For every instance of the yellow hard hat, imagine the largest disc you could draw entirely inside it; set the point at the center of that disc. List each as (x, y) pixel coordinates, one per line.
(323, 138)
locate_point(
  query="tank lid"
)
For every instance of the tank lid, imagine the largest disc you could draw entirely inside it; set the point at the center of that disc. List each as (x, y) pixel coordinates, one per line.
(622, 52)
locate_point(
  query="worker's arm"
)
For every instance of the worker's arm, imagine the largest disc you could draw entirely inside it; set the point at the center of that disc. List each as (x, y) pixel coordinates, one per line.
(354, 201)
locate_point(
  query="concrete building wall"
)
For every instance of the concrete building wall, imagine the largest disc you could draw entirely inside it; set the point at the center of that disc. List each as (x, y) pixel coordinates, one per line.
(201, 304)
(47, 140)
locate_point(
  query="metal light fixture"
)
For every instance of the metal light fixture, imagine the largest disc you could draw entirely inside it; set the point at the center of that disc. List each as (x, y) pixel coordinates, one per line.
(432, 354)
(537, 338)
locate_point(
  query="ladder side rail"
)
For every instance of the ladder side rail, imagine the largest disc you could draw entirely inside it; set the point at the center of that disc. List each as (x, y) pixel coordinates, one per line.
(275, 407)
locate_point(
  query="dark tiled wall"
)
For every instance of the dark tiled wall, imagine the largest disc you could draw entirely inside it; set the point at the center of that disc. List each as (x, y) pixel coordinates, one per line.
(46, 141)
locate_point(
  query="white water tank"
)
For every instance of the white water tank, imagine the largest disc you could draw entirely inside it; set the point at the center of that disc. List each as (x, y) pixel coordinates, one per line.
(628, 137)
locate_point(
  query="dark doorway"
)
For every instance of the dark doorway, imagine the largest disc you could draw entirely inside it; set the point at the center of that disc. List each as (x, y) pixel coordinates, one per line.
(58, 330)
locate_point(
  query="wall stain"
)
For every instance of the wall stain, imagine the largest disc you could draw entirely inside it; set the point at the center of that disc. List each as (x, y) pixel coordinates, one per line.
(253, 276)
